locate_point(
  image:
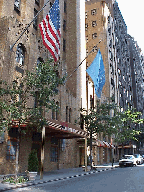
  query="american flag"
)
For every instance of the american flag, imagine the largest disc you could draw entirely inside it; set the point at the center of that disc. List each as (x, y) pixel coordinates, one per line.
(50, 30)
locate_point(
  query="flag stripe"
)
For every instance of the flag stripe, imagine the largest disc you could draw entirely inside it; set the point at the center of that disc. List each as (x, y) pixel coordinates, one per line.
(50, 30)
(53, 30)
(46, 44)
(50, 37)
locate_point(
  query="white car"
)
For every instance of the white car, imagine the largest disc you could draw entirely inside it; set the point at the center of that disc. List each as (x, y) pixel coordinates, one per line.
(127, 160)
(139, 159)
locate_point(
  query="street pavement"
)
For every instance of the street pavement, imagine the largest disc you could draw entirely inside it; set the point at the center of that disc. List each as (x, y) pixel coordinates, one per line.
(127, 179)
(57, 175)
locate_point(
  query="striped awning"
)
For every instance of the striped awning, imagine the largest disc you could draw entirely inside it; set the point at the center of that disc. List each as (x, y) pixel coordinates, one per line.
(106, 144)
(65, 130)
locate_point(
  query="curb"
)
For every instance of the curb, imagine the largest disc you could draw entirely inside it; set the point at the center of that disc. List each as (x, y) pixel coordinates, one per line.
(53, 180)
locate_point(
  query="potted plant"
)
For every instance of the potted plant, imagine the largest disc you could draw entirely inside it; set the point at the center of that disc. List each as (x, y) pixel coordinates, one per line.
(32, 165)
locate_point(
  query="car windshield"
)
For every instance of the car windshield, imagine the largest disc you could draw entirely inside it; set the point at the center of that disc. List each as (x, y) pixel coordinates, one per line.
(128, 157)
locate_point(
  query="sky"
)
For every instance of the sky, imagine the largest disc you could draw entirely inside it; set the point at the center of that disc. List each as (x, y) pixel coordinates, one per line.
(133, 14)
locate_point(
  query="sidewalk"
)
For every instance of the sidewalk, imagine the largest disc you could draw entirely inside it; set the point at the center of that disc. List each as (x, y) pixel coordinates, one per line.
(57, 175)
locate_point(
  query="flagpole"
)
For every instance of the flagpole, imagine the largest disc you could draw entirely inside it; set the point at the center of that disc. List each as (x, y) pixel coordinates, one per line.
(11, 47)
(83, 60)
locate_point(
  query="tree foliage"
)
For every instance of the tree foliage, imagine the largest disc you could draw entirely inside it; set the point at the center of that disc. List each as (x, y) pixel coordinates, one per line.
(17, 98)
(108, 119)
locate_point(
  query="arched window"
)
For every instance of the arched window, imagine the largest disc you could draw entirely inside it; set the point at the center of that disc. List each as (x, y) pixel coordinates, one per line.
(20, 54)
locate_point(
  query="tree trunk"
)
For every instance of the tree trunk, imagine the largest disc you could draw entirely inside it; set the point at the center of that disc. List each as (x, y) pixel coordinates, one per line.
(17, 153)
(91, 149)
(42, 152)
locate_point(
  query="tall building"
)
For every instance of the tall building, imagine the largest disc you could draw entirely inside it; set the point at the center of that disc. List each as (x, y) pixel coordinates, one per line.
(96, 26)
(121, 57)
(61, 147)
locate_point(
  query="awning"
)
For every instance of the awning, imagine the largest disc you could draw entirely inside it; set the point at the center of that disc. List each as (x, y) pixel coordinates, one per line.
(65, 130)
(126, 146)
(111, 146)
(59, 129)
(99, 143)
(106, 144)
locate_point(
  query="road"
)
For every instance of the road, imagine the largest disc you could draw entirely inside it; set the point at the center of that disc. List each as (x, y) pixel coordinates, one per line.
(128, 179)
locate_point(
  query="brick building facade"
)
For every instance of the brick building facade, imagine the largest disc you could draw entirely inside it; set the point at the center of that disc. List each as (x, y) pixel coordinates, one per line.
(61, 147)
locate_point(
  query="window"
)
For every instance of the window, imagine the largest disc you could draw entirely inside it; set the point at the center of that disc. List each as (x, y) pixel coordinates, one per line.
(57, 104)
(64, 45)
(54, 149)
(37, 2)
(95, 49)
(54, 154)
(93, 12)
(53, 111)
(62, 144)
(86, 26)
(12, 144)
(54, 141)
(65, 7)
(66, 113)
(64, 25)
(87, 39)
(91, 102)
(17, 5)
(86, 15)
(86, 52)
(94, 23)
(35, 21)
(81, 122)
(94, 35)
(20, 55)
(11, 149)
(70, 114)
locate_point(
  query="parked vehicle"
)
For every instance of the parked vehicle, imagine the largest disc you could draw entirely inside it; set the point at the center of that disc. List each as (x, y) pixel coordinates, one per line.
(139, 159)
(143, 157)
(127, 160)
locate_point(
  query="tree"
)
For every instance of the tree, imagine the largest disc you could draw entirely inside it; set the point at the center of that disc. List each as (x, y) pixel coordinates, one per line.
(127, 125)
(108, 119)
(18, 98)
